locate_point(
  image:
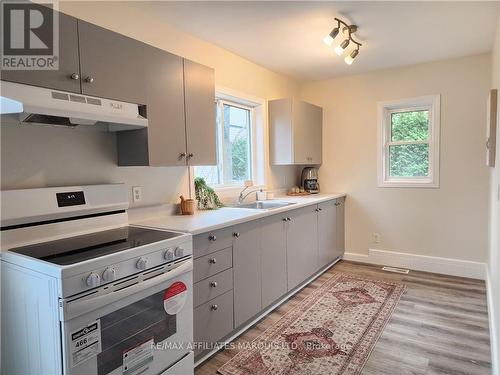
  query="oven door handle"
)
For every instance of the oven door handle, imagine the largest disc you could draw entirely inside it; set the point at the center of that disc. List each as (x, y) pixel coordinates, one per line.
(72, 309)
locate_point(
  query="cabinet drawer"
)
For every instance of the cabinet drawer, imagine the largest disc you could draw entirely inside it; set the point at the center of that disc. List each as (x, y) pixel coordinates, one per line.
(209, 242)
(213, 287)
(211, 264)
(214, 320)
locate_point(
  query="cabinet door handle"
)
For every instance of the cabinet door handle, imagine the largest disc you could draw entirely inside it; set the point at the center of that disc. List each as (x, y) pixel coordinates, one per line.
(288, 219)
(214, 307)
(236, 235)
(213, 284)
(75, 76)
(182, 155)
(337, 204)
(189, 156)
(212, 237)
(284, 219)
(320, 209)
(317, 210)
(212, 260)
(89, 79)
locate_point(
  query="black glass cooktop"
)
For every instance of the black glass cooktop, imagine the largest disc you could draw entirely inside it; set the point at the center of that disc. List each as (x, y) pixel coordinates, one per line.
(90, 246)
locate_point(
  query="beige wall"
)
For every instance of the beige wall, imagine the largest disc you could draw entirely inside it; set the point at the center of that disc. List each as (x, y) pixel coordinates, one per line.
(37, 157)
(494, 254)
(449, 222)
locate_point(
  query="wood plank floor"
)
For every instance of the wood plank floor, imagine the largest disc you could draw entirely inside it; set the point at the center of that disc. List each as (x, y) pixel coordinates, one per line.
(440, 325)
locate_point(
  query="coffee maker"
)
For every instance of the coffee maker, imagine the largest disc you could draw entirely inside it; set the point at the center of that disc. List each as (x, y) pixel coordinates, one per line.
(309, 180)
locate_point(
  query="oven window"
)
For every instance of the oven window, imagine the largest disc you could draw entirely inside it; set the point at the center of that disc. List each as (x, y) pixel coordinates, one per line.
(131, 326)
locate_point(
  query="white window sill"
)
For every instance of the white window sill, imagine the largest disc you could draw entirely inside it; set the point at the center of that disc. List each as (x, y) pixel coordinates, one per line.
(409, 184)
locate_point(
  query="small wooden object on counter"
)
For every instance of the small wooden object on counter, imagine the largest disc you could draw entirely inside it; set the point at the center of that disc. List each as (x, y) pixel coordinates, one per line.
(187, 206)
(298, 194)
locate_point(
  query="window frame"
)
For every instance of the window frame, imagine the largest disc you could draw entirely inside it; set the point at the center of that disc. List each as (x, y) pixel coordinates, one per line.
(257, 106)
(220, 139)
(429, 103)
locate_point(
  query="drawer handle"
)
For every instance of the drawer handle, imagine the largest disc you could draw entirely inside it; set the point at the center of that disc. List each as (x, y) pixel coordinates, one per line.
(212, 260)
(214, 307)
(212, 237)
(284, 219)
(337, 204)
(213, 284)
(236, 234)
(75, 76)
(288, 219)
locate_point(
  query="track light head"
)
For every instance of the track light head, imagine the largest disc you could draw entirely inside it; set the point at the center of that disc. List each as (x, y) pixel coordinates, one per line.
(350, 59)
(339, 50)
(328, 40)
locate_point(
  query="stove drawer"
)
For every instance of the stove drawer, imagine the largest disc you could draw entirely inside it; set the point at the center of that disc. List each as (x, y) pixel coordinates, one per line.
(213, 320)
(209, 242)
(211, 264)
(213, 287)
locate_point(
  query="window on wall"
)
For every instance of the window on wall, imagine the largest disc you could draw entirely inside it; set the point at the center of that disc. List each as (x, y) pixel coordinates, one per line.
(234, 123)
(409, 142)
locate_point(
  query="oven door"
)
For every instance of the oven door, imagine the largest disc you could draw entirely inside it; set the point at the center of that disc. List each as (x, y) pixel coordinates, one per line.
(143, 328)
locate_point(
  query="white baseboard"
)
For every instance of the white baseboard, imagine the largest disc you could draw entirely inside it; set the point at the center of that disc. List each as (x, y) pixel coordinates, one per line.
(494, 344)
(446, 266)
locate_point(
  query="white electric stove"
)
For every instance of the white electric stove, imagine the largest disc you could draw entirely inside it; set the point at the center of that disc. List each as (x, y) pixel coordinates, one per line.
(83, 292)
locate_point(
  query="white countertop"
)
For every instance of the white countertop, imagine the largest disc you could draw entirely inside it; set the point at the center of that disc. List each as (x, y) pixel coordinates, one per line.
(204, 221)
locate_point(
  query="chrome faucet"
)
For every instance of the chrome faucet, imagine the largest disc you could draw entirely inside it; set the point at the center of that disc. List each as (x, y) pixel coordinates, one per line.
(242, 196)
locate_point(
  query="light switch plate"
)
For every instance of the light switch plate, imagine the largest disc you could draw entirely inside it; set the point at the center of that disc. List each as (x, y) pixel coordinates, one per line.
(137, 193)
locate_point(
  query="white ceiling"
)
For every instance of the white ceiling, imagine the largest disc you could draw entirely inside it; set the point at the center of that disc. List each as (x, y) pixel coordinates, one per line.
(286, 37)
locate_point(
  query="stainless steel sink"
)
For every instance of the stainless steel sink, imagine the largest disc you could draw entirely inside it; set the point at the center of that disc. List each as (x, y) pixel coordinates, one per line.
(264, 205)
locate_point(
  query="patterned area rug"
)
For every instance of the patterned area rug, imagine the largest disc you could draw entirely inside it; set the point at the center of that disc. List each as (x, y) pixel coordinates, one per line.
(332, 331)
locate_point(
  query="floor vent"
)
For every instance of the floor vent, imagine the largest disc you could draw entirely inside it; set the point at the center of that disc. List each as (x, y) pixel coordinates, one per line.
(395, 269)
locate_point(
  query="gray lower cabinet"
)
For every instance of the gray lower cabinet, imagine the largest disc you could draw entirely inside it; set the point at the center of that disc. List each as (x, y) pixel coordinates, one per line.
(302, 245)
(340, 204)
(273, 259)
(327, 232)
(112, 65)
(241, 270)
(246, 271)
(65, 78)
(213, 320)
(199, 96)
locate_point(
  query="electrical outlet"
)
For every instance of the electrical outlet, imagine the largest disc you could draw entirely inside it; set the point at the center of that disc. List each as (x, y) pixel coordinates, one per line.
(137, 193)
(376, 237)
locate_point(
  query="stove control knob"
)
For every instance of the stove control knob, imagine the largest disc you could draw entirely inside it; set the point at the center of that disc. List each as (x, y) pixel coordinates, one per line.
(109, 274)
(93, 280)
(179, 251)
(142, 263)
(169, 254)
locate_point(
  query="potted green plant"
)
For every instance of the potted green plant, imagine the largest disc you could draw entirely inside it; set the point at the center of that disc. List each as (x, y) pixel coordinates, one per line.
(205, 195)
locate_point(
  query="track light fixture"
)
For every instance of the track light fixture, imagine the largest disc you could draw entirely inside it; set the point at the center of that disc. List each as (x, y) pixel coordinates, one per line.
(343, 29)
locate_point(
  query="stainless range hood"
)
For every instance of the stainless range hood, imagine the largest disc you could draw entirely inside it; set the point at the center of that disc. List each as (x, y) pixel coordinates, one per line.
(35, 105)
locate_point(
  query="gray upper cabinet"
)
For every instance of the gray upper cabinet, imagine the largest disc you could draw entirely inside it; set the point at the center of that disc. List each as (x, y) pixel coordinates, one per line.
(112, 65)
(273, 262)
(302, 245)
(246, 271)
(199, 91)
(327, 233)
(67, 77)
(164, 142)
(295, 132)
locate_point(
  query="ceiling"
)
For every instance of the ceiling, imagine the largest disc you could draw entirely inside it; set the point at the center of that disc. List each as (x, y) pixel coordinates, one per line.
(286, 37)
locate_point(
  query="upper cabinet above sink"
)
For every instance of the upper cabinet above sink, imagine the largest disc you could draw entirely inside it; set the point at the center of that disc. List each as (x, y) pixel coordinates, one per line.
(295, 132)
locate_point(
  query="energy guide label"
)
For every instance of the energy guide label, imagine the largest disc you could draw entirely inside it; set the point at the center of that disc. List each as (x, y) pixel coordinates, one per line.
(85, 343)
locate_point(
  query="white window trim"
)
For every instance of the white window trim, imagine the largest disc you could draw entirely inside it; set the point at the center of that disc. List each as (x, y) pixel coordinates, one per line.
(432, 103)
(257, 137)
